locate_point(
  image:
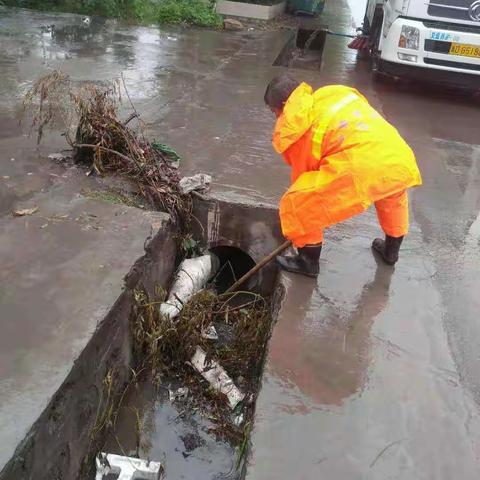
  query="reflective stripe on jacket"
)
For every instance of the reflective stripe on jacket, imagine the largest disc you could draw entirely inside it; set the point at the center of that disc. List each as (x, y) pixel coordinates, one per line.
(344, 156)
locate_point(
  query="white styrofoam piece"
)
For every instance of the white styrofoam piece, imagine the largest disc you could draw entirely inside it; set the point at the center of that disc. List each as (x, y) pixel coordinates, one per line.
(210, 333)
(217, 377)
(179, 394)
(126, 468)
(192, 275)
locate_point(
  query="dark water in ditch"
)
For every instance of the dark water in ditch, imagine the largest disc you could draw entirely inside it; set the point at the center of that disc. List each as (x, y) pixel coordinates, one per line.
(179, 438)
(161, 419)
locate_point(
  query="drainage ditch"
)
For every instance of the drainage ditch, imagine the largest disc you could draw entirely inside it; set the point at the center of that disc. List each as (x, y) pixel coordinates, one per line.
(168, 413)
(136, 389)
(304, 49)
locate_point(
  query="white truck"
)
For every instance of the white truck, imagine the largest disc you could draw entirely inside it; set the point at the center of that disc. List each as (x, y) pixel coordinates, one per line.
(426, 39)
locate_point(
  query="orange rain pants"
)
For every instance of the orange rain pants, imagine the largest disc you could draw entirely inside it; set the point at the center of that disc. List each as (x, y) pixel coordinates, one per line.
(344, 157)
(392, 214)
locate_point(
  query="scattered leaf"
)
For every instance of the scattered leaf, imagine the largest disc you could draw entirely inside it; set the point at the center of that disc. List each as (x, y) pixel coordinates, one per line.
(25, 211)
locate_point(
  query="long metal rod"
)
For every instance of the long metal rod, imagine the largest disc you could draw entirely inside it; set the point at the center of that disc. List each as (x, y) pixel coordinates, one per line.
(336, 34)
(259, 266)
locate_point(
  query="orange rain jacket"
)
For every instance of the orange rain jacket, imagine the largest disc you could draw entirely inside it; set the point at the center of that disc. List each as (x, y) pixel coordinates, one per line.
(344, 157)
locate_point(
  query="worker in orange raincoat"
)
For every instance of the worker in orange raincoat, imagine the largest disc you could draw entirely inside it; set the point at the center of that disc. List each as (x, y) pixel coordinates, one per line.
(344, 156)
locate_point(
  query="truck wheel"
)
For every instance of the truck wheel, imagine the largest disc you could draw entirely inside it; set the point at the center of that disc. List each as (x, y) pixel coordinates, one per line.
(375, 33)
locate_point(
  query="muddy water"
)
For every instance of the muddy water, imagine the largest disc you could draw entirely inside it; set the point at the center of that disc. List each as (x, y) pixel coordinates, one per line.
(166, 432)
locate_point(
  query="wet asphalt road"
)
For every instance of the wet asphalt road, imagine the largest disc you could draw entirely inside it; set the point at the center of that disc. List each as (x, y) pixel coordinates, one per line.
(373, 373)
(382, 358)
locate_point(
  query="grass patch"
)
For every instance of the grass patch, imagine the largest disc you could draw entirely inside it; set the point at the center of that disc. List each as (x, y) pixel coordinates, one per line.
(188, 12)
(113, 197)
(191, 12)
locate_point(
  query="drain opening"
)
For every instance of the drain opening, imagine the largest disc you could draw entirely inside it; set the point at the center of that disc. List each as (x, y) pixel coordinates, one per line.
(303, 50)
(234, 263)
(311, 39)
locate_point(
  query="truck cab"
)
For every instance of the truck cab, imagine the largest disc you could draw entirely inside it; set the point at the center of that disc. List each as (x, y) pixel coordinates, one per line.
(429, 39)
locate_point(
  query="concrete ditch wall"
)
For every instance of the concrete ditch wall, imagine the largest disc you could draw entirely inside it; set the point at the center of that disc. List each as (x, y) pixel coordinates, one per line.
(255, 229)
(56, 445)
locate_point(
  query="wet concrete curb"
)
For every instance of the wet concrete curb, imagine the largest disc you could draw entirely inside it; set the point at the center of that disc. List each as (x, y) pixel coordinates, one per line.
(55, 445)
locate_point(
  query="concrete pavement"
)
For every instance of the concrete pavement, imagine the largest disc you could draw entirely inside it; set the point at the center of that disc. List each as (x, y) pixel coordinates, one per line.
(372, 373)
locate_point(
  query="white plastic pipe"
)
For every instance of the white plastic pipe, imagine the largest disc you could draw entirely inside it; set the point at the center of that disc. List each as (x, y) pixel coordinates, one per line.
(192, 275)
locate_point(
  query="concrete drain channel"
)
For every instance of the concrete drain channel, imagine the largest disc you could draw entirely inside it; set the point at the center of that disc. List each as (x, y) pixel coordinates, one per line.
(129, 397)
(303, 50)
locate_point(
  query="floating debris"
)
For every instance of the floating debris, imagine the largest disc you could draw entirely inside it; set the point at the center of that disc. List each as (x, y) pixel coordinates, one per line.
(167, 349)
(60, 157)
(210, 333)
(25, 211)
(217, 377)
(239, 419)
(127, 468)
(179, 394)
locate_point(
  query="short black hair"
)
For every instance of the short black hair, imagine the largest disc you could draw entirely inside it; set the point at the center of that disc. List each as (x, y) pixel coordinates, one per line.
(279, 89)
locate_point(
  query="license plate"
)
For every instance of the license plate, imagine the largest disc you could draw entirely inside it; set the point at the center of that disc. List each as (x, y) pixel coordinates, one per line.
(465, 50)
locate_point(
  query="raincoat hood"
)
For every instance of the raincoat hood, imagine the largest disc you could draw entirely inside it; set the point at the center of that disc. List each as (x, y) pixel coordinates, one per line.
(297, 117)
(303, 109)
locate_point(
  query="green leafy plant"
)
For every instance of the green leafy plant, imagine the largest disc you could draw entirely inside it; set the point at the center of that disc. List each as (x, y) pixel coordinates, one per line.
(189, 12)
(193, 12)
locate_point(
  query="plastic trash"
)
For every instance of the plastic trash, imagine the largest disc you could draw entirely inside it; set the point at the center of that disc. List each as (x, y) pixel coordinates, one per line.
(210, 333)
(127, 468)
(199, 182)
(214, 374)
(179, 394)
(59, 157)
(192, 275)
(239, 419)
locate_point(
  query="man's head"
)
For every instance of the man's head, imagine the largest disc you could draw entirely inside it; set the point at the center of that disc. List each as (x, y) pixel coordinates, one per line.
(278, 91)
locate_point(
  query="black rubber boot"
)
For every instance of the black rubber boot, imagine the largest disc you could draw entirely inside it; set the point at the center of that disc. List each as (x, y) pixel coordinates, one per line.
(388, 248)
(305, 263)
